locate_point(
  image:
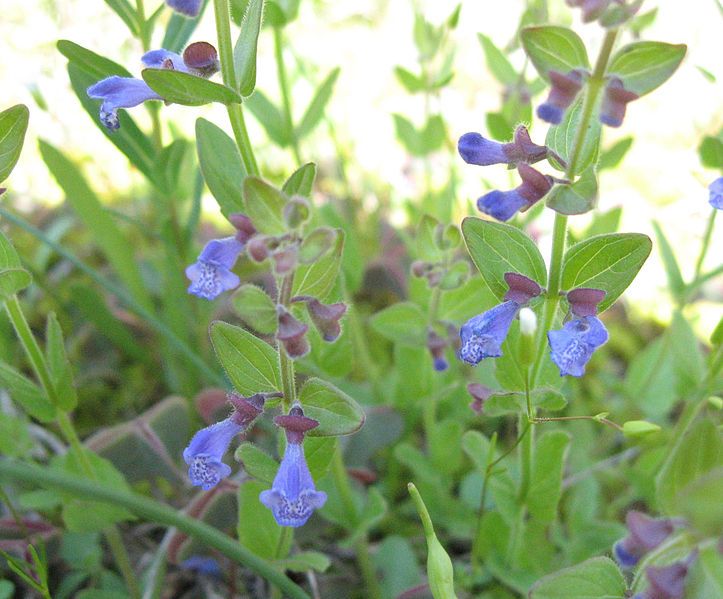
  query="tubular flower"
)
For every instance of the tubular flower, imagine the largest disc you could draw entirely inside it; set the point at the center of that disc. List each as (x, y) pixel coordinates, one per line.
(644, 535)
(211, 274)
(716, 194)
(572, 346)
(293, 497)
(207, 447)
(188, 8)
(615, 100)
(563, 91)
(503, 205)
(475, 149)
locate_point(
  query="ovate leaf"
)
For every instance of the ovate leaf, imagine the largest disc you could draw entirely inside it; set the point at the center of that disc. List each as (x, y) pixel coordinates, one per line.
(337, 413)
(186, 89)
(244, 52)
(644, 66)
(13, 125)
(597, 578)
(553, 48)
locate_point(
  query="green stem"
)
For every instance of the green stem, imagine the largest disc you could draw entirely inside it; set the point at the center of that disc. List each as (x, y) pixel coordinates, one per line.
(286, 364)
(706, 243)
(361, 547)
(526, 449)
(143, 32)
(604, 421)
(151, 510)
(285, 95)
(40, 368)
(228, 73)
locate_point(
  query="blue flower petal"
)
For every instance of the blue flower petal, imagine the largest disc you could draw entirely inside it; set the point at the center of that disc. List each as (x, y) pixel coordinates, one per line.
(156, 59)
(482, 336)
(716, 194)
(189, 8)
(501, 205)
(550, 113)
(293, 497)
(204, 452)
(211, 274)
(119, 92)
(475, 149)
(572, 346)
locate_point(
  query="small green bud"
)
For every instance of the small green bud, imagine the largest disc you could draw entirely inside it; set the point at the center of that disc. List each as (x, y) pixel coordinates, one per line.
(639, 428)
(440, 571)
(447, 237)
(297, 212)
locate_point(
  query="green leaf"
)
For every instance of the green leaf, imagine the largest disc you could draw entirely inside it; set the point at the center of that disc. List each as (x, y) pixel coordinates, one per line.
(99, 222)
(255, 308)
(13, 125)
(576, 198)
(221, 166)
(403, 322)
(250, 363)
(264, 206)
(180, 29)
(86, 68)
(497, 248)
(561, 138)
(281, 12)
(306, 560)
(596, 578)
(301, 181)
(337, 413)
(406, 133)
(696, 454)
(13, 277)
(711, 151)
(706, 576)
(186, 89)
(257, 528)
(614, 155)
(676, 284)
(497, 62)
(27, 394)
(477, 447)
(59, 365)
(127, 14)
(498, 126)
(256, 462)
(607, 262)
(318, 279)
(553, 48)
(270, 118)
(315, 110)
(434, 134)
(545, 488)
(15, 440)
(244, 52)
(644, 66)
(409, 80)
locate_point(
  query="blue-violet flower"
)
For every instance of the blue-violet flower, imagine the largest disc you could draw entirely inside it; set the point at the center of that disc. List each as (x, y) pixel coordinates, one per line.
(293, 497)
(615, 100)
(475, 149)
(211, 274)
(572, 346)
(716, 194)
(503, 205)
(644, 535)
(482, 335)
(563, 91)
(188, 8)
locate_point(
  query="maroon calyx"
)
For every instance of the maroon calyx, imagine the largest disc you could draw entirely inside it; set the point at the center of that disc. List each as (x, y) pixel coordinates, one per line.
(480, 394)
(584, 300)
(247, 409)
(534, 184)
(615, 101)
(202, 58)
(295, 424)
(524, 148)
(521, 288)
(325, 317)
(245, 229)
(292, 333)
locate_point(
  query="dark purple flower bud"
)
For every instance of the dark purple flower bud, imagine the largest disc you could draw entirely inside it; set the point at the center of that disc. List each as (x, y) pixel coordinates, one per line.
(521, 288)
(201, 59)
(480, 394)
(667, 582)
(503, 205)
(292, 334)
(716, 194)
(563, 91)
(584, 300)
(211, 274)
(119, 92)
(325, 317)
(475, 149)
(247, 409)
(591, 9)
(2, 190)
(188, 8)
(293, 496)
(436, 346)
(572, 346)
(645, 534)
(285, 259)
(482, 335)
(420, 268)
(258, 248)
(245, 229)
(615, 100)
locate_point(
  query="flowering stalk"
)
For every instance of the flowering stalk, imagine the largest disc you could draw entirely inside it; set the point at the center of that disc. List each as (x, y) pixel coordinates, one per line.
(228, 73)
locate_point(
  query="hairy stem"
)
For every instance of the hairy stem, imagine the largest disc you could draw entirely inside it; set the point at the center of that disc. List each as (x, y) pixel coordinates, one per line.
(228, 73)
